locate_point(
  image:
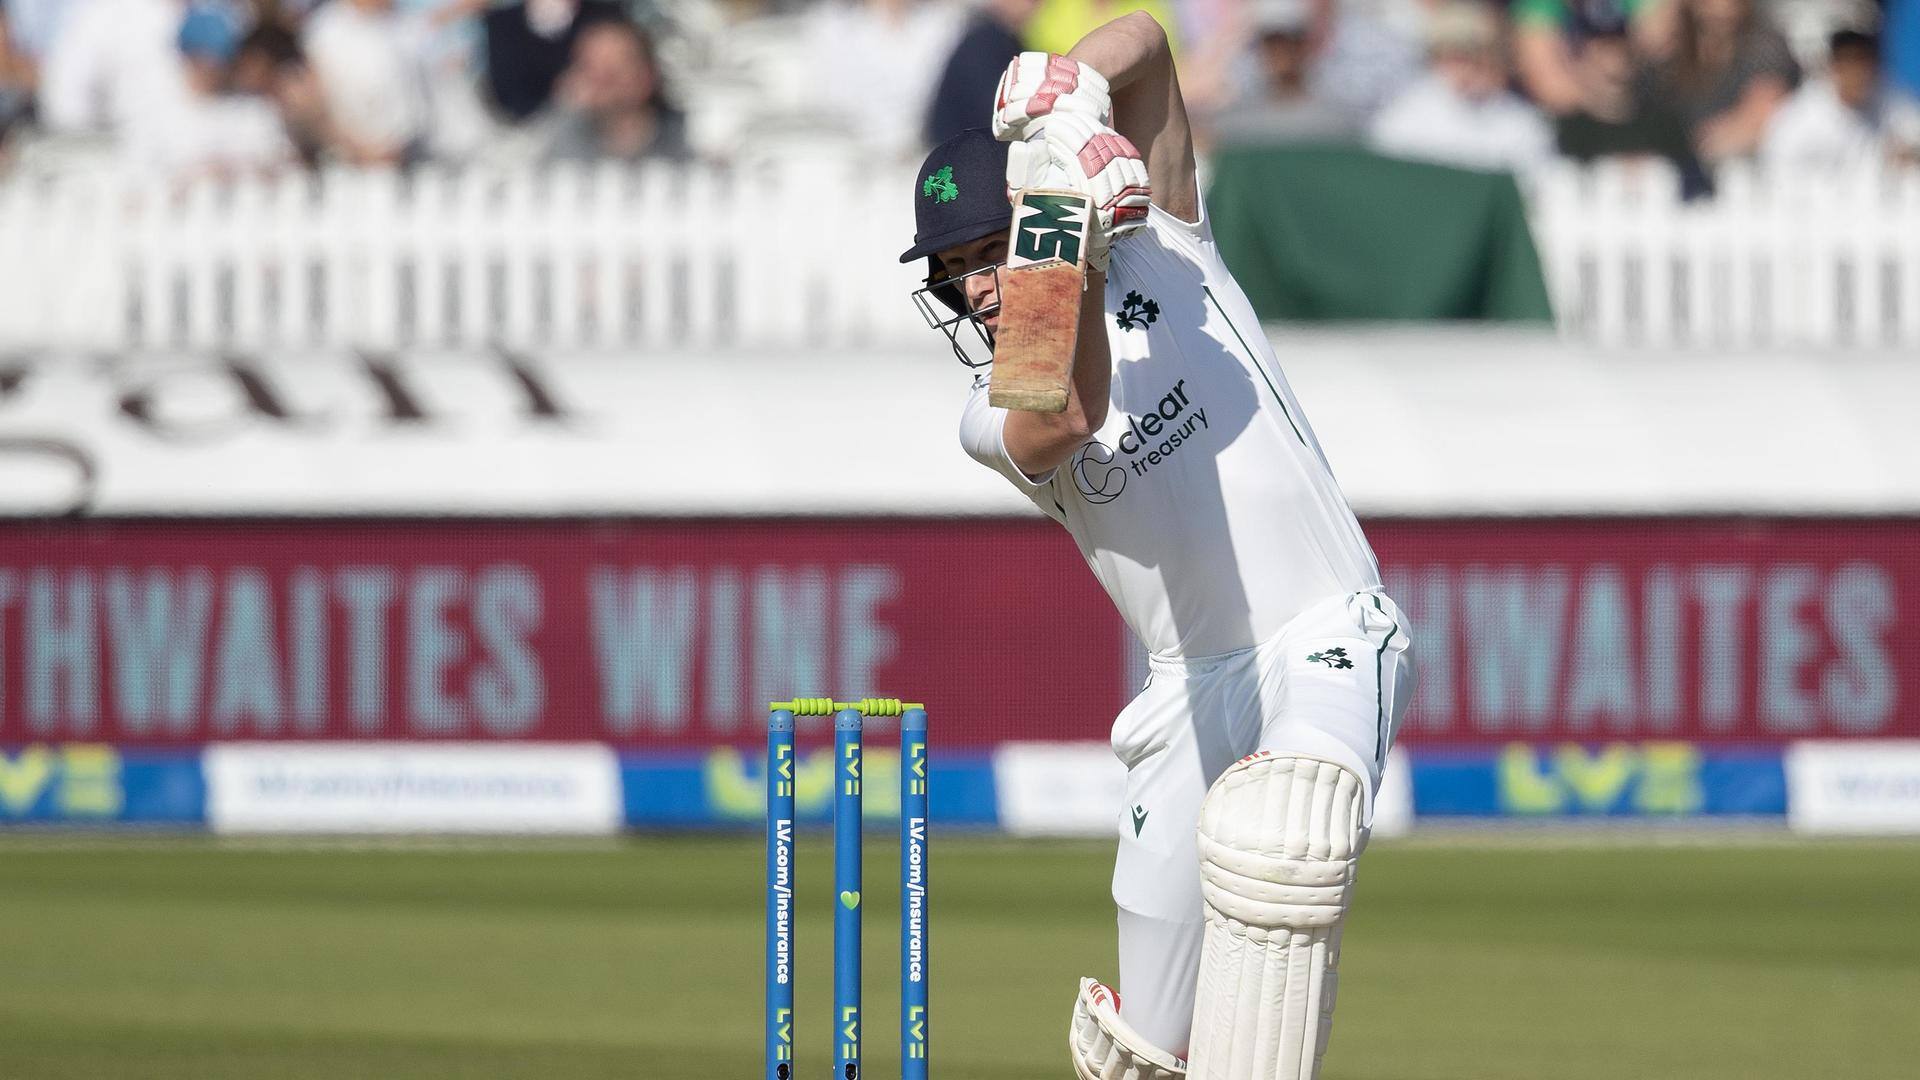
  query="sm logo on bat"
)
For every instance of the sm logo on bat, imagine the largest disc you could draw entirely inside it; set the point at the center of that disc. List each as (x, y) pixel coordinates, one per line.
(1049, 225)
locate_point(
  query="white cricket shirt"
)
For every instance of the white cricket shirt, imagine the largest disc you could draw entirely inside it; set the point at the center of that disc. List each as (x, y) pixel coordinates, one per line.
(1204, 504)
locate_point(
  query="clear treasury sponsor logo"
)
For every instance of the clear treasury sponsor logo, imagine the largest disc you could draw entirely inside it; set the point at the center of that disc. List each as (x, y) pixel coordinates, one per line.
(1149, 439)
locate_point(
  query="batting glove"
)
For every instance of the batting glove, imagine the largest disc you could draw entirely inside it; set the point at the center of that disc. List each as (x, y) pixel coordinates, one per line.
(1076, 153)
(1038, 85)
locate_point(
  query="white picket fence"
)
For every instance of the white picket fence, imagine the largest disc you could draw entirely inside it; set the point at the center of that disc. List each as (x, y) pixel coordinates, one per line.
(566, 258)
(1792, 259)
(802, 257)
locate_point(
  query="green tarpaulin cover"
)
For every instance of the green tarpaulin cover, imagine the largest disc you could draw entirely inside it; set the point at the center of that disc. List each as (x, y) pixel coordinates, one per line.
(1338, 233)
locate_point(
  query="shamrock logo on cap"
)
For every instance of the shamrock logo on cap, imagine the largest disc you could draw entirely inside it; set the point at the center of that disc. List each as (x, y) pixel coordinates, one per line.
(940, 186)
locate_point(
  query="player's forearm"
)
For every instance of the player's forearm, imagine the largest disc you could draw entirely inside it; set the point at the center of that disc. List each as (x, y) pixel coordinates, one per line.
(1092, 363)
(1124, 50)
(1133, 54)
(1039, 442)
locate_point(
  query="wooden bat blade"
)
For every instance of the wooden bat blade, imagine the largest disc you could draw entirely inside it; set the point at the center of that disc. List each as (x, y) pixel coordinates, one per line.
(1033, 349)
(1040, 293)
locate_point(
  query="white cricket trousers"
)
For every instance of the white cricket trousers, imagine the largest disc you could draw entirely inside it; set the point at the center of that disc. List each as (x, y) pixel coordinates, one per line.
(1333, 684)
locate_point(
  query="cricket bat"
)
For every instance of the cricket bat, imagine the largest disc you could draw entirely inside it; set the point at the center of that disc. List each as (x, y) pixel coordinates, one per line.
(1040, 300)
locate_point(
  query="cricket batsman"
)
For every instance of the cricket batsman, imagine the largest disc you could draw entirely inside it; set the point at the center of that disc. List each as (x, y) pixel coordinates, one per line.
(1197, 493)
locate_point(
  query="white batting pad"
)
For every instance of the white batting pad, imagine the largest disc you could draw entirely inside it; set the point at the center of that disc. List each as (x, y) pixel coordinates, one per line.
(1105, 1047)
(1279, 837)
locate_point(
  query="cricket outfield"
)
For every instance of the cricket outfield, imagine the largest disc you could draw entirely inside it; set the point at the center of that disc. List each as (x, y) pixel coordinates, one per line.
(1501, 957)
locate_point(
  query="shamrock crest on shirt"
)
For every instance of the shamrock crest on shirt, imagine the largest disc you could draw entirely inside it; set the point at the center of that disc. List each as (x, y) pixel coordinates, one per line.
(1136, 312)
(1335, 657)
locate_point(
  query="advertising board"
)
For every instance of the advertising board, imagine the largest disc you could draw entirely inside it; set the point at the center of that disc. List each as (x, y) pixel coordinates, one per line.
(674, 634)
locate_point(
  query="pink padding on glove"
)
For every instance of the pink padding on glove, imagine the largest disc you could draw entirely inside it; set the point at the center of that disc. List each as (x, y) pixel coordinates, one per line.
(1097, 154)
(1100, 151)
(1063, 77)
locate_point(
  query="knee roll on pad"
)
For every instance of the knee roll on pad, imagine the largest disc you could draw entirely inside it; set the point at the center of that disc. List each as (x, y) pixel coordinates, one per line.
(1105, 1047)
(1279, 837)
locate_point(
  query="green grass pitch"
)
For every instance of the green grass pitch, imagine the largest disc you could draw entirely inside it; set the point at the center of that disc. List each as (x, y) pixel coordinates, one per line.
(157, 959)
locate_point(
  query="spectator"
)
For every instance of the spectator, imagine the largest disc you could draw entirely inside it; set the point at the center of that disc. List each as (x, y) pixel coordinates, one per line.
(211, 130)
(114, 65)
(289, 14)
(1612, 118)
(271, 66)
(1217, 62)
(873, 63)
(529, 43)
(1728, 72)
(369, 65)
(964, 95)
(266, 55)
(612, 101)
(1373, 50)
(1461, 112)
(34, 24)
(1550, 38)
(450, 49)
(1286, 105)
(1849, 119)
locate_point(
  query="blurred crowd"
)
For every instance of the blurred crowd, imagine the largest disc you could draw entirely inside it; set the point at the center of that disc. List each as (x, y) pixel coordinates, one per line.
(187, 88)
(225, 87)
(1810, 84)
